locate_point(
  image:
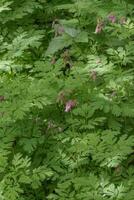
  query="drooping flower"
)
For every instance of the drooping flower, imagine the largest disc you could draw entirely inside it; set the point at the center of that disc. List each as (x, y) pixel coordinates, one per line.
(122, 20)
(51, 125)
(60, 30)
(98, 61)
(112, 18)
(70, 105)
(61, 97)
(53, 61)
(93, 75)
(99, 27)
(2, 98)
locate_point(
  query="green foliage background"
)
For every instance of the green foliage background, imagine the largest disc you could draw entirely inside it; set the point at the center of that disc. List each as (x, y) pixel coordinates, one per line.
(50, 54)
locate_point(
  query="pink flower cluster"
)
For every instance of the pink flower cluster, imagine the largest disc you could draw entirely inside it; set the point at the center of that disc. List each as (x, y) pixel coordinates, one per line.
(99, 27)
(111, 18)
(70, 105)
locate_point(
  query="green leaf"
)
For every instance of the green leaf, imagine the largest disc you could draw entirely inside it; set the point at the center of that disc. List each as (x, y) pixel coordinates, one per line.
(82, 37)
(58, 43)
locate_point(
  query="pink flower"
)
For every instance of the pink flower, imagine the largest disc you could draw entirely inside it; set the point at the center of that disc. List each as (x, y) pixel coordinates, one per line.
(99, 27)
(112, 18)
(69, 105)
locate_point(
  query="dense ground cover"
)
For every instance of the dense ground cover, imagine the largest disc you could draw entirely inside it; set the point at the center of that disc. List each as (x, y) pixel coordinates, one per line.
(66, 99)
